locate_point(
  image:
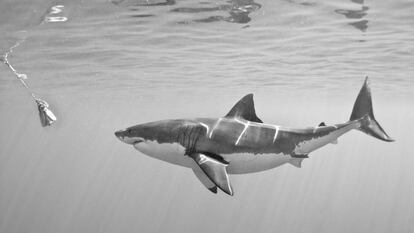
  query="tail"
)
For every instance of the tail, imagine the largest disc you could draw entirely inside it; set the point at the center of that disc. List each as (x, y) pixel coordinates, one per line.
(364, 113)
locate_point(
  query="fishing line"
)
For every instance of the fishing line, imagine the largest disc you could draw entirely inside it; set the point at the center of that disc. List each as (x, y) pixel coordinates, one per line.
(46, 115)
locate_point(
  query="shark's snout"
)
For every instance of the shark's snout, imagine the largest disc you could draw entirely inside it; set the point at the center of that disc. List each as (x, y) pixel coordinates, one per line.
(128, 136)
(120, 134)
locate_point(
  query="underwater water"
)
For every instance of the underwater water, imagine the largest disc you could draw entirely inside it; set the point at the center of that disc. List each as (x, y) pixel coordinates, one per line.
(105, 65)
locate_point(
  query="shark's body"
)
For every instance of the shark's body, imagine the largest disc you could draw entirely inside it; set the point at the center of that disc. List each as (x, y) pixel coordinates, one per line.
(239, 142)
(247, 146)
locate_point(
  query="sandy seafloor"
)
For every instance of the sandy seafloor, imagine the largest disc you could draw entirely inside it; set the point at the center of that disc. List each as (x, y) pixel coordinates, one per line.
(110, 65)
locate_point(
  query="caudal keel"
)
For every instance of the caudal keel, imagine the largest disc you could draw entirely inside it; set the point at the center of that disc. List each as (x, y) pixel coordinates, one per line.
(323, 136)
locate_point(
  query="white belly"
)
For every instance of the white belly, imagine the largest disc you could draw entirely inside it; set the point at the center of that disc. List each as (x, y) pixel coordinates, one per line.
(239, 163)
(247, 162)
(169, 152)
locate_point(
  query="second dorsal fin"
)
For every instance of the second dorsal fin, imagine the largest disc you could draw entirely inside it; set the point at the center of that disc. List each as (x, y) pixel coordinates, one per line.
(245, 109)
(322, 124)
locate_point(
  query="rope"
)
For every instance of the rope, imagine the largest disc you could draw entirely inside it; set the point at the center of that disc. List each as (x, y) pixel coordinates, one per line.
(46, 116)
(19, 76)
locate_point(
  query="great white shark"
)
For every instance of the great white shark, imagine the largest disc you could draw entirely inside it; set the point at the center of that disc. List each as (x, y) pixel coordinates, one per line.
(240, 142)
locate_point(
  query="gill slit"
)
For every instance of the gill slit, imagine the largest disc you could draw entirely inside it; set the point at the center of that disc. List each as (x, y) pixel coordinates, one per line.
(189, 137)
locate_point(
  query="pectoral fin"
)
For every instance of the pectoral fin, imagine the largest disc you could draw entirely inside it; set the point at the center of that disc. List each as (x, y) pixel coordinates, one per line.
(215, 171)
(204, 179)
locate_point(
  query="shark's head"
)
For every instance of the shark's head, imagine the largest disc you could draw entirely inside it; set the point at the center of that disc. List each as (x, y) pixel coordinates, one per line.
(160, 131)
(131, 135)
(159, 139)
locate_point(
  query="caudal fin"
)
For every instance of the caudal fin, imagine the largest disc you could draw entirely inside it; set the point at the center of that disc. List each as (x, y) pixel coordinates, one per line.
(364, 113)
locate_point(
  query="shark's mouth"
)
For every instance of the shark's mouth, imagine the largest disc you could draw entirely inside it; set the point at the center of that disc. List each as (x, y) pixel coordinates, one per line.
(137, 141)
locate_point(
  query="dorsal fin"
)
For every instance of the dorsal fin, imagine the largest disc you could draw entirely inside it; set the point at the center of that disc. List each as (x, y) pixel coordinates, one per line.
(245, 109)
(322, 124)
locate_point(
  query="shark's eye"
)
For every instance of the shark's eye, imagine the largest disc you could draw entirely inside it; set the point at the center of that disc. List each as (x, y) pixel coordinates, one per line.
(129, 131)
